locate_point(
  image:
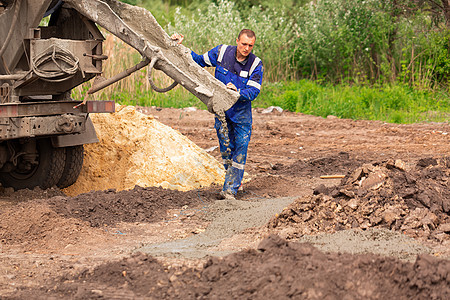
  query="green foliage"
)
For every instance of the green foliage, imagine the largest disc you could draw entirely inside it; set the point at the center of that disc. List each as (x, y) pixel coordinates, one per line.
(290, 100)
(390, 103)
(220, 24)
(177, 98)
(44, 22)
(377, 60)
(368, 41)
(339, 39)
(354, 41)
(164, 10)
(245, 6)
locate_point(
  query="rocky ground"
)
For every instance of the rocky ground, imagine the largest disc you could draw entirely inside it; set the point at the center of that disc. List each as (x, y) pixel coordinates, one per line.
(379, 228)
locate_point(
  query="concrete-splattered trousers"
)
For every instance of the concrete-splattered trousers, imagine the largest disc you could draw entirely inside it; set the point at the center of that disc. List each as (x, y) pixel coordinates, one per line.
(236, 154)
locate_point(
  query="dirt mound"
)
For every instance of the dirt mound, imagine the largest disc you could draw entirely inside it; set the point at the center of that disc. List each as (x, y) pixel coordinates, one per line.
(55, 222)
(414, 199)
(278, 269)
(280, 180)
(136, 149)
(34, 224)
(27, 219)
(137, 205)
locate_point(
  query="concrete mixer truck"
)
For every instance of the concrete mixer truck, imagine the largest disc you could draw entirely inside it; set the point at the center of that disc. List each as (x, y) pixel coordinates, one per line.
(42, 129)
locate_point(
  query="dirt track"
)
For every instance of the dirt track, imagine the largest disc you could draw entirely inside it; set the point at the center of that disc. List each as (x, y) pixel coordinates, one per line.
(396, 193)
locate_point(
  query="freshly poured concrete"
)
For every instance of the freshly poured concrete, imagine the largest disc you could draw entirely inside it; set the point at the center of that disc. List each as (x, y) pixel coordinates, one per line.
(228, 217)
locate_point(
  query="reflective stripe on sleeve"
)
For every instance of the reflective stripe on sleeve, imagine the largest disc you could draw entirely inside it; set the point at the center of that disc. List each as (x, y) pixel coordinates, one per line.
(222, 52)
(237, 166)
(254, 84)
(206, 59)
(244, 74)
(255, 64)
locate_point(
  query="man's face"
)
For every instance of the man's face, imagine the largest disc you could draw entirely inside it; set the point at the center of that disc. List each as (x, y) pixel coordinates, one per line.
(244, 45)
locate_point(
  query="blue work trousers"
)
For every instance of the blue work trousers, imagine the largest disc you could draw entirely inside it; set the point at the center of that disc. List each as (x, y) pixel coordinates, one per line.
(236, 153)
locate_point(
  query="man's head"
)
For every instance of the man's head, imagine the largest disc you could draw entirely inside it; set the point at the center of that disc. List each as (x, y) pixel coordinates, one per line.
(245, 42)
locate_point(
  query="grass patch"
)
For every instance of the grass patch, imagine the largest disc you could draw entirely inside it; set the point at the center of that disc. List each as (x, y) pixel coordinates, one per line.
(390, 103)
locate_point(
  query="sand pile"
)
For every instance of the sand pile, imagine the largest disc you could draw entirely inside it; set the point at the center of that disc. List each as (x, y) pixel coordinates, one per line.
(135, 149)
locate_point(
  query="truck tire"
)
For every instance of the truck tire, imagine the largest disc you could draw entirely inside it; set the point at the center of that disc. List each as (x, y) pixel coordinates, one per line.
(46, 174)
(73, 165)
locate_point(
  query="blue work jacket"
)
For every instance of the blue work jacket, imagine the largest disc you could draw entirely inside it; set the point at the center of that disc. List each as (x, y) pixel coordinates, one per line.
(246, 76)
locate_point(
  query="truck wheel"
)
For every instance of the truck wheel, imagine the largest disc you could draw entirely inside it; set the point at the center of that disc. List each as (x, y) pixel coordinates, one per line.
(45, 174)
(72, 168)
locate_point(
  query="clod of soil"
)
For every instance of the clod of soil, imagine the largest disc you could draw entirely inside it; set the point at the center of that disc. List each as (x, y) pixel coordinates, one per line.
(394, 195)
(136, 149)
(278, 269)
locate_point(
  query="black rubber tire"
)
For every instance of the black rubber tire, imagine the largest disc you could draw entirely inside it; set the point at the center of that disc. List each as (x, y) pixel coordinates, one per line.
(45, 175)
(72, 168)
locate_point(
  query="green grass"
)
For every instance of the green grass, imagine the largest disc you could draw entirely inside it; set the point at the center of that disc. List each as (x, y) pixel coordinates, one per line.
(393, 103)
(177, 98)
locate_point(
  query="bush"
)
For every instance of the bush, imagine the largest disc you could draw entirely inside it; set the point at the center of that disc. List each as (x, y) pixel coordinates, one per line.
(290, 100)
(360, 41)
(221, 23)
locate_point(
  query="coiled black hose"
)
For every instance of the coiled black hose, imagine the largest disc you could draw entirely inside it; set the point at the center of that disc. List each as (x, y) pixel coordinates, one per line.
(152, 84)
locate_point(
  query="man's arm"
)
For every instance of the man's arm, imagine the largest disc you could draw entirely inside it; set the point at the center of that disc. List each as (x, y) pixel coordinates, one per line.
(253, 87)
(208, 59)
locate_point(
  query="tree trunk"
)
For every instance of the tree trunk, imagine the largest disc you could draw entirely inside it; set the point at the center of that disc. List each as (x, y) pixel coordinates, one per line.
(446, 10)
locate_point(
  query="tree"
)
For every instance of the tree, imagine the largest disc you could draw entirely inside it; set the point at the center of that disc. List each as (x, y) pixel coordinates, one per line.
(439, 9)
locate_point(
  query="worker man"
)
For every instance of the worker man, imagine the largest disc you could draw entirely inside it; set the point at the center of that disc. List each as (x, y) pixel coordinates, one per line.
(242, 71)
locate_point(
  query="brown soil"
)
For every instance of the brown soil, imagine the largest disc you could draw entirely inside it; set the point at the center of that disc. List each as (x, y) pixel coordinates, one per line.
(396, 179)
(276, 269)
(107, 208)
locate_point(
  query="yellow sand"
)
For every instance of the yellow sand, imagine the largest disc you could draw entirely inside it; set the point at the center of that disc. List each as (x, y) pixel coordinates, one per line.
(136, 149)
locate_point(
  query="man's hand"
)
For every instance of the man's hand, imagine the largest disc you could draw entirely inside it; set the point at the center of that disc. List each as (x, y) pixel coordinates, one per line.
(231, 86)
(177, 37)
